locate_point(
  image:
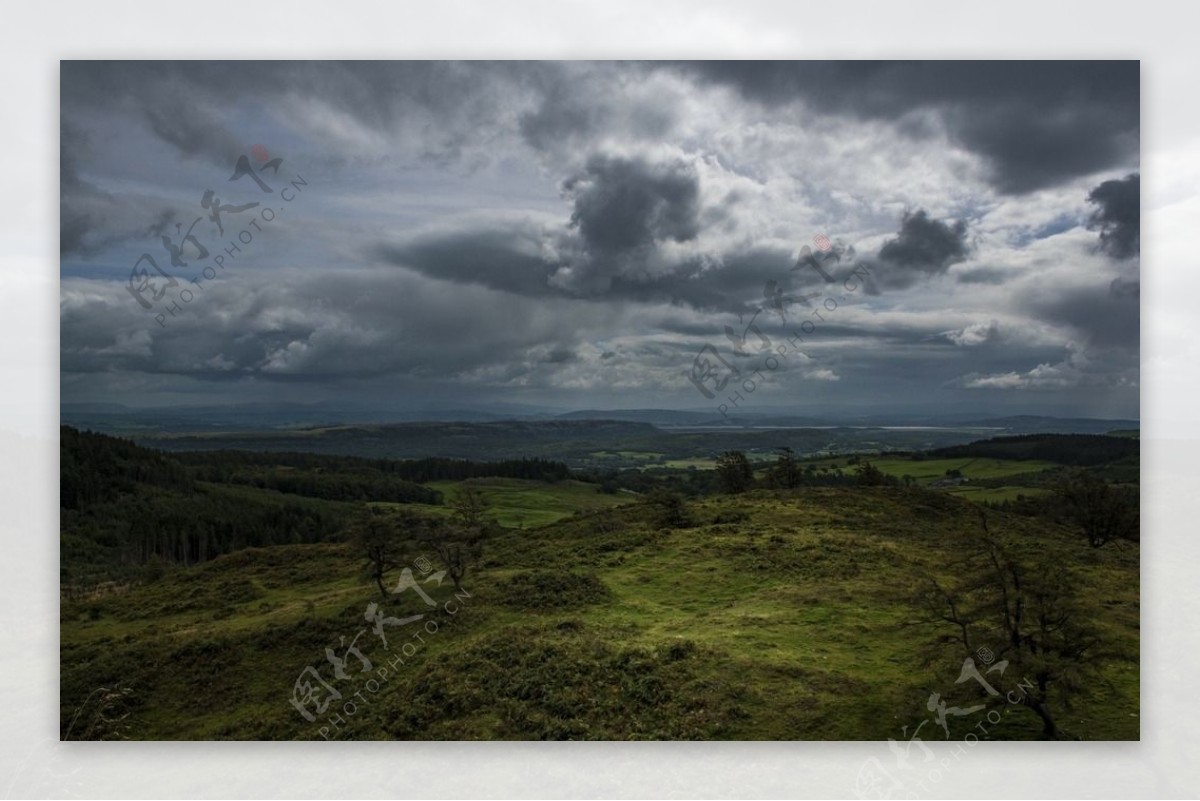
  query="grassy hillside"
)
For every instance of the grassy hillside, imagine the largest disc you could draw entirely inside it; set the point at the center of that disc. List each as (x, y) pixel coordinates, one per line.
(780, 615)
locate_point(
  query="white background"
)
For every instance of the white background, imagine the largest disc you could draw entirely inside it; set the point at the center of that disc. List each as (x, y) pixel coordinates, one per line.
(34, 36)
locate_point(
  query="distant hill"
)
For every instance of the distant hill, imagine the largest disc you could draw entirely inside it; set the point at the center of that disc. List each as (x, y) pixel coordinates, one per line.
(654, 416)
(115, 418)
(122, 420)
(493, 441)
(580, 443)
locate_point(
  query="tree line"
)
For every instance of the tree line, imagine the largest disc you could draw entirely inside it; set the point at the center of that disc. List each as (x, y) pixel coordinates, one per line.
(124, 507)
(222, 465)
(1079, 450)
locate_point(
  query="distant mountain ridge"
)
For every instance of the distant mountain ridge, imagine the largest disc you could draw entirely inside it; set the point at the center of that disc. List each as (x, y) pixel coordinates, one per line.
(116, 418)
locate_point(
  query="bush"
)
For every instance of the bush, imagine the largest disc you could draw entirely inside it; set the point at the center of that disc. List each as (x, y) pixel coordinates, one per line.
(670, 509)
(542, 590)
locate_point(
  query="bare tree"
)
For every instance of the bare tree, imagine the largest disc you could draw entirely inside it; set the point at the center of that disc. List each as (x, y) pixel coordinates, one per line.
(470, 505)
(1029, 617)
(377, 536)
(457, 546)
(1104, 513)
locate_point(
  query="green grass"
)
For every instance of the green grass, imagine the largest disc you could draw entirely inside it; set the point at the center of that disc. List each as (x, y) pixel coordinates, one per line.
(635, 455)
(926, 471)
(795, 622)
(995, 494)
(698, 463)
(520, 503)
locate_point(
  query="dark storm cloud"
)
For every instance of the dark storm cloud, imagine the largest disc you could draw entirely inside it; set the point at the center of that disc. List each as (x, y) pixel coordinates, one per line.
(1103, 315)
(623, 210)
(177, 101)
(624, 204)
(505, 259)
(91, 219)
(1037, 123)
(573, 103)
(568, 225)
(923, 247)
(562, 114)
(77, 198)
(510, 259)
(513, 258)
(1118, 216)
(733, 284)
(447, 103)
(1125, 288)
(320, 326)
(559, 355)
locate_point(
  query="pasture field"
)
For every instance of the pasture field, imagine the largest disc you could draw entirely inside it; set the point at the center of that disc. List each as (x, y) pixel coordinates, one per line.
(927, 471)
(520, 503)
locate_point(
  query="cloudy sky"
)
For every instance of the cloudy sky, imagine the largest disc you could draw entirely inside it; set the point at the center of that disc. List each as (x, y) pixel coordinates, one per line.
(597, 235)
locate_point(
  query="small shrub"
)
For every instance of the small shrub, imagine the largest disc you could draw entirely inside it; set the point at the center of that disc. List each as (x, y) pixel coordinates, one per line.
(543, 589)
(680, 650)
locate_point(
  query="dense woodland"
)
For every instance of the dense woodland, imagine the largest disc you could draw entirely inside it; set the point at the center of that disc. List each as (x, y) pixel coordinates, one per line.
(222, 465)
(127, 509)
(1082, 450)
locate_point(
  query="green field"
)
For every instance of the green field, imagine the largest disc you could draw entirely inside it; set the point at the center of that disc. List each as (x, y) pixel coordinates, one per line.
(697, 463)
(794, 621)
(517, 503)
(995, 494)
(926, 471)
(634, 455)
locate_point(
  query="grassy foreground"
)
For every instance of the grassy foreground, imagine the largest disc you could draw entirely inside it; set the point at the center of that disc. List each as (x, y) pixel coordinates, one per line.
(782, 615)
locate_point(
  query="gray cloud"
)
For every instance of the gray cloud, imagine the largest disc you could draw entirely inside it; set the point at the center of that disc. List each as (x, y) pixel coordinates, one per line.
(1118, 216)
(438, 105)
(1101, 317)
(514, 258)
(1036, 123)
(91, 219)
(586, 227)
(983, 275)
(923, 247)
(623, 209)
(506, 258)
(624, 204)
(79, 201)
